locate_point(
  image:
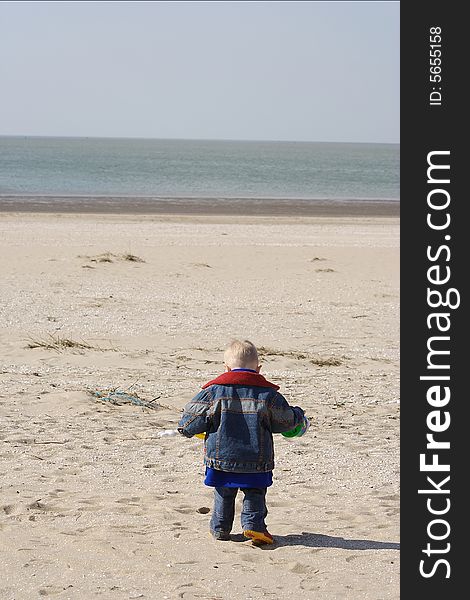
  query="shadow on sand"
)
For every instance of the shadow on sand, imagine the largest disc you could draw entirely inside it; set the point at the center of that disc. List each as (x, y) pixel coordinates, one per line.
(317, 540)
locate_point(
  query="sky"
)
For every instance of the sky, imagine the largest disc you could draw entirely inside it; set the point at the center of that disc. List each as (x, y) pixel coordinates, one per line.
(300, 71)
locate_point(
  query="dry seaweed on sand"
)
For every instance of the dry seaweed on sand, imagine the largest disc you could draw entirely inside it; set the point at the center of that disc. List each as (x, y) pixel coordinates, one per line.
(132, 258)
(330, 361)
(326, 362)
(55, 342)
(110, 257)
(58, 343)
(119, 397)
(265, 351)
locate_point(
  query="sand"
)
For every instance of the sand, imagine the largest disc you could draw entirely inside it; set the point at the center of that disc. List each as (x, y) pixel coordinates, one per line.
(94, 503)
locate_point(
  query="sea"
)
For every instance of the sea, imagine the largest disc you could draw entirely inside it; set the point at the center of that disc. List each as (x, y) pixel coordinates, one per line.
(65, 166)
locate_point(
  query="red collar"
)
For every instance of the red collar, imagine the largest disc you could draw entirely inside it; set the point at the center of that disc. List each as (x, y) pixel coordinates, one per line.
(241, 378)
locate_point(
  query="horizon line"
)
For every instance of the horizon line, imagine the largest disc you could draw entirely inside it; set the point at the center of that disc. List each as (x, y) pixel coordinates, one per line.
(100, 137)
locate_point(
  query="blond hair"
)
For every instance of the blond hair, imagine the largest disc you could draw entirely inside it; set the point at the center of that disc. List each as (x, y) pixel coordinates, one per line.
(241, 354)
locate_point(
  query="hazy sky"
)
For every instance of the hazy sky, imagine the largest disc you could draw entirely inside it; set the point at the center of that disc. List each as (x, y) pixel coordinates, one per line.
(319, 71)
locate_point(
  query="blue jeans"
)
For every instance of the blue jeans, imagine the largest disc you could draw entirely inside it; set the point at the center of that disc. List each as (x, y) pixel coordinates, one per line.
(253, 513)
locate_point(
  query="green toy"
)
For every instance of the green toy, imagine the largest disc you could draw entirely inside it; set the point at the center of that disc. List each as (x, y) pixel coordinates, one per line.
(297, 431)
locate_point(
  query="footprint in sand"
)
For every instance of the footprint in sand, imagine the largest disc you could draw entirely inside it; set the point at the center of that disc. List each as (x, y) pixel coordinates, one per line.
(296, 567)
(90, 505)
(351, 558)
(390, 497)
(244, 568)
(279, 503)
(177, 526)
(184, 511)
(308, 585)
(52, 590)
(131, 500)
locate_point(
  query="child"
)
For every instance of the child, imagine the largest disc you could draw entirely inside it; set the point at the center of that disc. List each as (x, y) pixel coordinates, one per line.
(239, 411)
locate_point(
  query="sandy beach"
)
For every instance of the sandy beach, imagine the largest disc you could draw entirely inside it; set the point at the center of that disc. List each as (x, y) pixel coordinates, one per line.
(95, 502)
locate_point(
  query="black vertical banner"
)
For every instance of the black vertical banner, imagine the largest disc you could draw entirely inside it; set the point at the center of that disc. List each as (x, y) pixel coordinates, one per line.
(434, 254)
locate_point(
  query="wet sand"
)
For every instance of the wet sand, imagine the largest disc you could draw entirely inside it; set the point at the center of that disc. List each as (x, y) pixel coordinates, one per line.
(199, 206)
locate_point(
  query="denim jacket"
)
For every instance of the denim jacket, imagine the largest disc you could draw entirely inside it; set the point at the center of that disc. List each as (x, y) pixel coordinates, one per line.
(239, 412)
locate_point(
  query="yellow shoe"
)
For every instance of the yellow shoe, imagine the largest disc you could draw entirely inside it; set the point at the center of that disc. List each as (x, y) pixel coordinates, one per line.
(259, 537)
